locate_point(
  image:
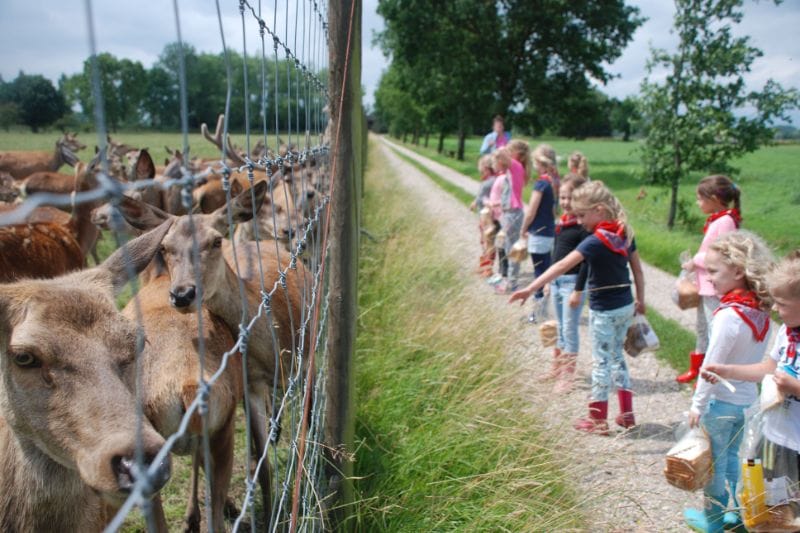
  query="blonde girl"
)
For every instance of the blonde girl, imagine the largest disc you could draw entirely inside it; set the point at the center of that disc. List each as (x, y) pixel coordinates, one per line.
(737, 264)
(521, 152)
(486, 260)
(578, 165)
(608, 251)
(717, 197)
(512, 175)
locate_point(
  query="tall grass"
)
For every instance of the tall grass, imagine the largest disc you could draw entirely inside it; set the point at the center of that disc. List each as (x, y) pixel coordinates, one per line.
(768, 180)
(445, 441)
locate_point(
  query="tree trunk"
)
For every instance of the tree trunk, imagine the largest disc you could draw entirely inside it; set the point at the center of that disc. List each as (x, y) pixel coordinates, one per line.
(462, 137)
(415, 139)
(440, 149)
(674, 182)
(405, 135)
(427, 136)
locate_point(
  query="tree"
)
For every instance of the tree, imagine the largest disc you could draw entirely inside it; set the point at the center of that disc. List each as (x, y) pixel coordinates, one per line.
(695, 120)
(36, 101)
(624, 116)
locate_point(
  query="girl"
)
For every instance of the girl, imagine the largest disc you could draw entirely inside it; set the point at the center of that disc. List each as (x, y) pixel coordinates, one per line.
(737, 264)
(539, 223)
(486, 259)
(512, 177)
(521, 152)
(608, 251)
(578, 165)
(718, 197)
(568, 235)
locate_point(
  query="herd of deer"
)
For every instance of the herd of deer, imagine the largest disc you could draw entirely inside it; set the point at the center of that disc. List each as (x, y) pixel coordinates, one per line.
(68, 417)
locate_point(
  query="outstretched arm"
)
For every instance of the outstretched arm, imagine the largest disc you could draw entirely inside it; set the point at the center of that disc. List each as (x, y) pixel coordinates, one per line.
(638, 281)
(557, 269)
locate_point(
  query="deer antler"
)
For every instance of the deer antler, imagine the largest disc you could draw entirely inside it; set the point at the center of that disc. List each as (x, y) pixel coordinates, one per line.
(216, 140)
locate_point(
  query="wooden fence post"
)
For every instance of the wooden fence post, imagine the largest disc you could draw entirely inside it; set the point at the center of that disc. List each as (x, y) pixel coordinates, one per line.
(344, 26)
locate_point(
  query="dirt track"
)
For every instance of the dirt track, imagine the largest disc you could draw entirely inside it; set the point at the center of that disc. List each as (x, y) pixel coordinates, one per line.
(620, 476)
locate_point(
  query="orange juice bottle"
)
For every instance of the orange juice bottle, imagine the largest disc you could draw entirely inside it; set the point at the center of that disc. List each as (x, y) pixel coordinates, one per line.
(753, 493)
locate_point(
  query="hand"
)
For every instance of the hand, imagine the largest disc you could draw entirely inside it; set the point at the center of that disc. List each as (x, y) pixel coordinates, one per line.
(522, 295)
(787, 385)
(694, 419)
(688, 266)
(719, 370)
(639, 307)
(574, 299)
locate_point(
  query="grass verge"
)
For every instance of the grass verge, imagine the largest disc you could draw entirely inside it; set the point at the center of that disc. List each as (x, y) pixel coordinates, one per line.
(445, 442)
(460, 194)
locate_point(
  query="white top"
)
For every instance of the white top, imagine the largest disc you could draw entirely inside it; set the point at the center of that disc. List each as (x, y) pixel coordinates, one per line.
(732, 343)
(782, 423)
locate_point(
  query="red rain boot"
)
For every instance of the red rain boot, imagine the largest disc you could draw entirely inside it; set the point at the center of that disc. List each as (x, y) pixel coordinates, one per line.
(625, 417)
(555, 367)
(695, 362)
(596, 423)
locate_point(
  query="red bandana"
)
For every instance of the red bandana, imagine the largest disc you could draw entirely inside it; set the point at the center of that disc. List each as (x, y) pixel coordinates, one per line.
(734, 214)
(747, 305)
(566, 221)
(794, 338)
(612, 234)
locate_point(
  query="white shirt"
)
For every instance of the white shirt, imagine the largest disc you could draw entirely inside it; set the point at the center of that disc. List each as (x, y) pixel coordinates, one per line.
(732, 343)
(782, 423)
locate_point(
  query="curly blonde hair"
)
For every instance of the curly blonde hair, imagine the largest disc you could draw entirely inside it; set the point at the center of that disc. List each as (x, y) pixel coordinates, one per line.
(485, 163)
(545, 155)
(784, 279)
(595, 193)
(747, 251)
(501, 157)
(578, 164)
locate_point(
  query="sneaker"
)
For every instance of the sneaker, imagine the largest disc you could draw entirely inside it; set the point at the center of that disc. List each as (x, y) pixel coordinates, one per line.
(532, 319)
(494, 280)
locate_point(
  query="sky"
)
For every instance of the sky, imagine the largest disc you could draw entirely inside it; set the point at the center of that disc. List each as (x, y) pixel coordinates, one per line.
(50, 37)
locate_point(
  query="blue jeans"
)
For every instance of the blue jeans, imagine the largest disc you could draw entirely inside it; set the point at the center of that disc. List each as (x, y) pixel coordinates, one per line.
(567, 317)
(541, 262)
(608, 330)
(724, 423)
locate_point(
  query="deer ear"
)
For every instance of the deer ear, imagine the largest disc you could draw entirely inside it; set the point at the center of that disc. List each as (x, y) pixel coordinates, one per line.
(242, 207)
(145, 168)
(134, 256)
(236, 188)
(142, 215)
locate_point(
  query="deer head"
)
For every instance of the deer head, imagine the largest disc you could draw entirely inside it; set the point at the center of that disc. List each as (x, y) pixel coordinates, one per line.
(66, 370)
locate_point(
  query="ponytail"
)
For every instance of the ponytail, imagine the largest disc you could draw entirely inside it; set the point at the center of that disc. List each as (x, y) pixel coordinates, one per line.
(721, 187)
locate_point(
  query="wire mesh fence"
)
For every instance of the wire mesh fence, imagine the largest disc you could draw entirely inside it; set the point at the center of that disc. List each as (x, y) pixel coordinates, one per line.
(252, 267)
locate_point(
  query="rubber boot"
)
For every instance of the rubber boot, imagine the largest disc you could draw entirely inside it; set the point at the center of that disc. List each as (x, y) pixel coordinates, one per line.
(625, 417)
(695, 362)
(596, 422)
(566, 379)
(712, 519)
(555, 367)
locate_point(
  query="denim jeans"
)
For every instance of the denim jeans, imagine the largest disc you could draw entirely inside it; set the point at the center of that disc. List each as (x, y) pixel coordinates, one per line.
(541, 262)
(724, 423)
(512, 225)
(608, 330)
(567, 317)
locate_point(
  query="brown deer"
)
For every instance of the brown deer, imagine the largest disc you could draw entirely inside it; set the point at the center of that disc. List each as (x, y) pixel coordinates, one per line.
(21, 164)
(9, 191)
(170, 370)
(47, 249)
(68, 423)
(269, 363)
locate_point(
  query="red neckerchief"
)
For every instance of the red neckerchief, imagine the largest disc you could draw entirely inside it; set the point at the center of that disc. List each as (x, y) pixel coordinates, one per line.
(793, 335)
(546, 177)
(747, 305)
(612, 234)
(566, 221)
(734, 214)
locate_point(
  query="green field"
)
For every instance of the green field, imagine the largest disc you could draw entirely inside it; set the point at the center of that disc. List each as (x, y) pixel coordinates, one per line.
(768, 179)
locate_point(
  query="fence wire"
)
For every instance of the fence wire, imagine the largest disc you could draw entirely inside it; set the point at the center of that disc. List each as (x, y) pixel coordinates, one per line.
(299, 165)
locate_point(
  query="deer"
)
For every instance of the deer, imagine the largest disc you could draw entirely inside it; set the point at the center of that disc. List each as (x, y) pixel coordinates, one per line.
(9, 191)
(68, 421)
(170, 370)
(52, 242)
(269, 362)
(21, 164)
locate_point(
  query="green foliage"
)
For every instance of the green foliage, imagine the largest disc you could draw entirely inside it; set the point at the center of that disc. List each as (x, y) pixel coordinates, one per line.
(31, 100)
(625, 116)
(445, 440)
(694, 119)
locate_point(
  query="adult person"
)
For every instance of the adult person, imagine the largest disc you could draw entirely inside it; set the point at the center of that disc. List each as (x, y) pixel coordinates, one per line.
(497, 138)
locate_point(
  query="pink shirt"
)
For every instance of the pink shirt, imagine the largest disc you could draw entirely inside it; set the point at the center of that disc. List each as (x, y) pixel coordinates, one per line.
(500, 140)
(715, 229)
(495, 195)
(517, 182)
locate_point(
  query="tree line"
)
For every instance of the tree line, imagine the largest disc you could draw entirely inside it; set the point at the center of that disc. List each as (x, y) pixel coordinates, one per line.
(136, 97)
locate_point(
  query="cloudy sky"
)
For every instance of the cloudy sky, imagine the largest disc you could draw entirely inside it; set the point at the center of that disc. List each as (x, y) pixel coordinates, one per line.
(50, 36)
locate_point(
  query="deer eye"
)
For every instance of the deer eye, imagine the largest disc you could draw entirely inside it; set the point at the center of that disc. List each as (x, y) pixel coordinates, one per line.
(26, 360)
(217, 242)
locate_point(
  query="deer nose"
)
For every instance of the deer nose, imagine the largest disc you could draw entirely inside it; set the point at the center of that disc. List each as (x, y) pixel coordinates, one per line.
(182, 296)
(127, 473)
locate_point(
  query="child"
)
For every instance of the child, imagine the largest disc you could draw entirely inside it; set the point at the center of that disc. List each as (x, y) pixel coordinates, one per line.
(568, 235)
(608, 251)
(715, 194)
(737, 264)
(495, 204)
(578, 165)
(512, 177)
(539, 223)
(482, 198)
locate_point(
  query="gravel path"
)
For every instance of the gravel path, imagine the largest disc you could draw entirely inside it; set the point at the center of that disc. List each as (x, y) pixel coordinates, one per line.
(620, 476)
